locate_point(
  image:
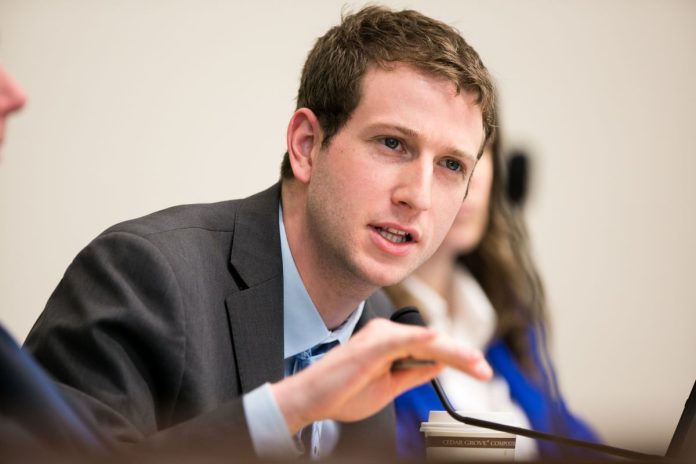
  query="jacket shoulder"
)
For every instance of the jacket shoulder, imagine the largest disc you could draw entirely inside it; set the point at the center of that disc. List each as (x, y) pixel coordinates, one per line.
(220, 216)
(211, 216)
(381, 305)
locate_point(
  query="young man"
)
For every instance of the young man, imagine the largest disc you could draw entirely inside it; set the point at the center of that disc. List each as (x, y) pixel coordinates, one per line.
(190, 326)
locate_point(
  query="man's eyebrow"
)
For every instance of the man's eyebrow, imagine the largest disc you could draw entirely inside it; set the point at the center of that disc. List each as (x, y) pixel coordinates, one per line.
(406, 131)
(452, 151)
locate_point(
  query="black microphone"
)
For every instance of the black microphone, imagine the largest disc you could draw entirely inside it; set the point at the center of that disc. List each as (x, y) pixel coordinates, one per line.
(410, 315)
(517, 177)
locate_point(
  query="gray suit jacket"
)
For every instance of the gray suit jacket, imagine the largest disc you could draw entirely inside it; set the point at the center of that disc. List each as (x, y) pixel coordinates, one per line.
(162, 323)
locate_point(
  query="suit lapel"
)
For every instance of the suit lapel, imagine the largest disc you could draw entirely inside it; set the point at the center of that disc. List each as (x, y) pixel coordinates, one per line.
(255, 310)
(256, 316)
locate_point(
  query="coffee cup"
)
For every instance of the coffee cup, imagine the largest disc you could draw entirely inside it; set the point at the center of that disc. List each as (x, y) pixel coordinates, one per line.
(449, 439)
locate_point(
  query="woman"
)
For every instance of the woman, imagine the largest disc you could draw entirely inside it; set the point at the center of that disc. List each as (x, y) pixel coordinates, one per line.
(482, 286)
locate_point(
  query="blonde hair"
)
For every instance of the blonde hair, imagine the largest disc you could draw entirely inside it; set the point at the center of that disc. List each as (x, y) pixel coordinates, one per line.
(504, 267)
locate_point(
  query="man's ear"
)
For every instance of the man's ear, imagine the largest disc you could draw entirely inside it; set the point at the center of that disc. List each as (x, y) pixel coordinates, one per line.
(304, 142)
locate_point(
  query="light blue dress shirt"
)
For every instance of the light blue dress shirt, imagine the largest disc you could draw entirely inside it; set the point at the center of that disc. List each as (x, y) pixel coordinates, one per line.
(303, 328)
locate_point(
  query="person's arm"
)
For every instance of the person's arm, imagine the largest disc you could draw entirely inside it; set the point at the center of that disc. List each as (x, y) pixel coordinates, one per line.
(114, 337)
(267, 427)
(356, 379)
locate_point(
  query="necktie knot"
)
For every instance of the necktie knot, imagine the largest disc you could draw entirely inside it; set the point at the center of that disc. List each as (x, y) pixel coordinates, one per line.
(317, 351)
(312, 355)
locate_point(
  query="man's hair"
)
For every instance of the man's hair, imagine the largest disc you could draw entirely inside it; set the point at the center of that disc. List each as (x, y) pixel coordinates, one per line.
(331, 79)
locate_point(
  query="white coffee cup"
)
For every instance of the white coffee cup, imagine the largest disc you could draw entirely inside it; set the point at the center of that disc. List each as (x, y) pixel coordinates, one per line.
(448, 439)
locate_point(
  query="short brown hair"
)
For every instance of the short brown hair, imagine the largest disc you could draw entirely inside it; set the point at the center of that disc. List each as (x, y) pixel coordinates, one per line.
(331, 79)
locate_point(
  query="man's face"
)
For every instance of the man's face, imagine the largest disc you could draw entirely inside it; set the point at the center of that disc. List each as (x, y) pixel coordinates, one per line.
(385, 191)
(11, 99)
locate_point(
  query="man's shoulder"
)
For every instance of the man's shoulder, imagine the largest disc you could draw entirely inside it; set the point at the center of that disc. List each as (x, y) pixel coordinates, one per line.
(380, 304)
(207, 216)
(212, 217)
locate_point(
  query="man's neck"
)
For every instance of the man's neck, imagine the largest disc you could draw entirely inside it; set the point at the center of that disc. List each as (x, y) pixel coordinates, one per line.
(335, 294)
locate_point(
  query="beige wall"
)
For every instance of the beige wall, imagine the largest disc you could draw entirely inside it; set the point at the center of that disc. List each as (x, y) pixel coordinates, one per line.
(135, 106)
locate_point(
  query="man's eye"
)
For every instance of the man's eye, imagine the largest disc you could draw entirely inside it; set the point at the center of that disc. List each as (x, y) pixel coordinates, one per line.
(453, 165)
(391, 143)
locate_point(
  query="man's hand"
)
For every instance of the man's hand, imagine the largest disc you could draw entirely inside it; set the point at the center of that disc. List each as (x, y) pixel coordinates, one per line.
(355, 380)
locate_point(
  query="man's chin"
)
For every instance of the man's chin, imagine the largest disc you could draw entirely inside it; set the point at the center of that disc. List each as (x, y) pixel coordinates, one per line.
(388, 277)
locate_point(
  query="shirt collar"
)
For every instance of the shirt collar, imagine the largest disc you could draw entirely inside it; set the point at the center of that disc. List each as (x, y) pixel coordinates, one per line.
(303, 327)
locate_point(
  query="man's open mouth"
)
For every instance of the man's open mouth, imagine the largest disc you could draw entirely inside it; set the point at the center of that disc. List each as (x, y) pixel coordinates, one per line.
(394, 235)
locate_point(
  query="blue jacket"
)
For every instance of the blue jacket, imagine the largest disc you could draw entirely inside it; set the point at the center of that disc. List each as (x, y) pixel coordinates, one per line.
(538, 397)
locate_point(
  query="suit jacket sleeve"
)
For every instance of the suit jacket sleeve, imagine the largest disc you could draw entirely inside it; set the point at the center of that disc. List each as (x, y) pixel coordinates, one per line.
(114, 337)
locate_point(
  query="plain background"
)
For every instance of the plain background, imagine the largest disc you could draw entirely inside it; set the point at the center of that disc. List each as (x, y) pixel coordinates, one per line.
(135, 106)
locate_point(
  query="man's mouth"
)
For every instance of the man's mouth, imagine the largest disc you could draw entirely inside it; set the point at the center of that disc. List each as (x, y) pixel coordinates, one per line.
(394, 235)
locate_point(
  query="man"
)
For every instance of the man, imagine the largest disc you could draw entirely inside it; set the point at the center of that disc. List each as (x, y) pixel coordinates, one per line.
(12, 99)
(190, 326)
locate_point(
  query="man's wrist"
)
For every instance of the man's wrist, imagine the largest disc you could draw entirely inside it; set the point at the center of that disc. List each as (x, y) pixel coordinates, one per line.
(291, 400)
(267, 426)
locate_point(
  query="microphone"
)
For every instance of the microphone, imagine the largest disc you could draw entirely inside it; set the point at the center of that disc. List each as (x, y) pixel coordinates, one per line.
(517, 177)
(410, 315)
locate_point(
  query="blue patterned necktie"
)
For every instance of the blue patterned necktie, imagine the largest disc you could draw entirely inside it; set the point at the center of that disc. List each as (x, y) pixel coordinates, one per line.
(312, 355)
(310, 436)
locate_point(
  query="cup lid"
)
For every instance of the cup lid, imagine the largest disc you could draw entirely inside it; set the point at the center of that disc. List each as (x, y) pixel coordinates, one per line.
(442, 423)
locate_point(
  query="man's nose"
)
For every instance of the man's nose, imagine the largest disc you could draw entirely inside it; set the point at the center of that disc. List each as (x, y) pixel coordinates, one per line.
(12, 96)
(415, 184)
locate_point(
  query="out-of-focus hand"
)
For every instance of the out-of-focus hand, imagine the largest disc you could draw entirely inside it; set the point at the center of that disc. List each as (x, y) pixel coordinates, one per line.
(355, 380)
